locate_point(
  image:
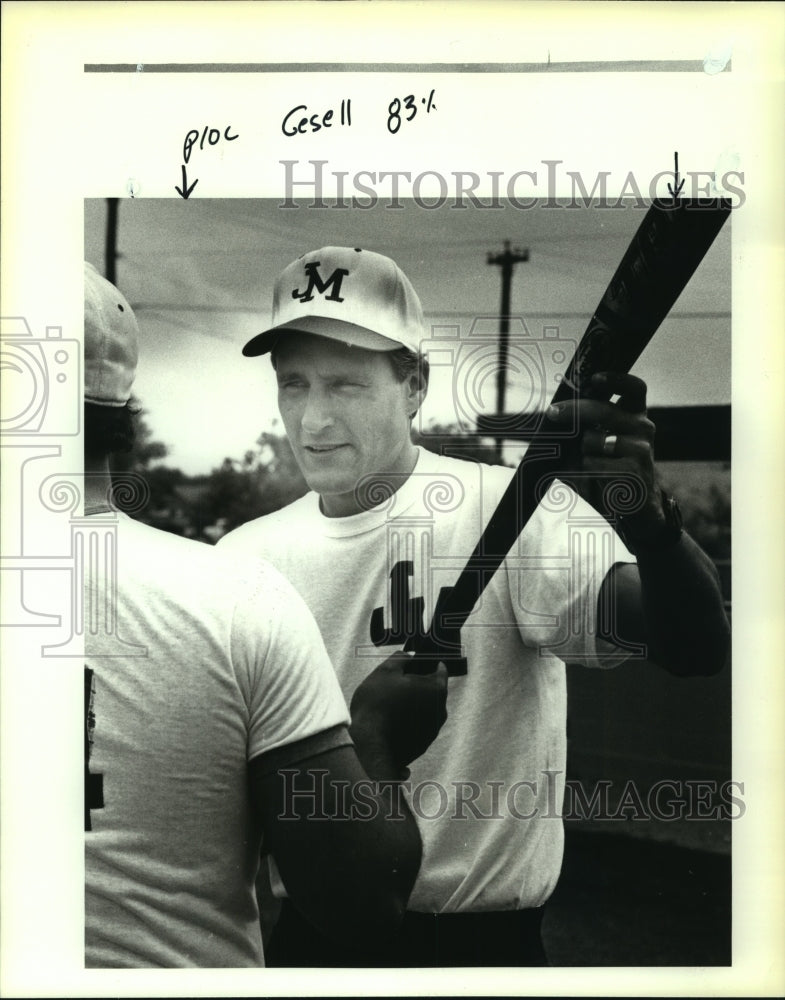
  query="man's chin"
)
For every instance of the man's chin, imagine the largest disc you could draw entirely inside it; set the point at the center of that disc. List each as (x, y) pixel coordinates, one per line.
(326, 485)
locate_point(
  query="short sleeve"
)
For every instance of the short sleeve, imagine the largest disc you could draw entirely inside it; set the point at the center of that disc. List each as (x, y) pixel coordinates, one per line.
(555, 573)
(282, 667)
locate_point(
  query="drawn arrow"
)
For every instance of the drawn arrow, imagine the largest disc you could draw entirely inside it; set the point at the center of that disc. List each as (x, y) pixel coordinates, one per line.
(186, 191)
(679, 186)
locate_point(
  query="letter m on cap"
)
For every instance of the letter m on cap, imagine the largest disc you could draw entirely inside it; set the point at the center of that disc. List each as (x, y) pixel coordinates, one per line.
(333, 283)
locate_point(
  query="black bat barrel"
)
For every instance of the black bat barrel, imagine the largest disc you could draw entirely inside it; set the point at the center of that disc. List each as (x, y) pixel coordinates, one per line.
(667, 248)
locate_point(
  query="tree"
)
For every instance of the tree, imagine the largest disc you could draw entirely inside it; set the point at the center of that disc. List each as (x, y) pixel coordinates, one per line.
(164, 507)
(145, 449)
(263, 481)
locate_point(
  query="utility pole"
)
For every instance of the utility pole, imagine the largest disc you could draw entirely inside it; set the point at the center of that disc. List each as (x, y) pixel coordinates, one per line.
(110, 246)
(506, 260)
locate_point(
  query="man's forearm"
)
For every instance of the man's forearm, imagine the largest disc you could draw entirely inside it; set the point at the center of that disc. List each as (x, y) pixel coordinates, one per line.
(385, 863)
(686, 628)
(387, 777)
(347, 854)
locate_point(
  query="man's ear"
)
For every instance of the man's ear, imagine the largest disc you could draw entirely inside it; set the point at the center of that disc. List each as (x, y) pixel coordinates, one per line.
(417, 387)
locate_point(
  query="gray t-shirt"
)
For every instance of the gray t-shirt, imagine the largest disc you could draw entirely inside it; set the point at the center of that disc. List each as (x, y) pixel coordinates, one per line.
(200, 664)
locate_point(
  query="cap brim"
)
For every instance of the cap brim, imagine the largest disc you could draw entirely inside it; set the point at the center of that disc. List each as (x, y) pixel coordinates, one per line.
(321, 326)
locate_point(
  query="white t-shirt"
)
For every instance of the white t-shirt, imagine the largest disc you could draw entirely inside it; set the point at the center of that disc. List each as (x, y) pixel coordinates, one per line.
(488, 792)
(204, 667)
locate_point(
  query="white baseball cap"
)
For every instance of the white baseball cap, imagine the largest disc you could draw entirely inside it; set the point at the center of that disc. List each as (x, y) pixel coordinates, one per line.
(356, 296)
(110, 342)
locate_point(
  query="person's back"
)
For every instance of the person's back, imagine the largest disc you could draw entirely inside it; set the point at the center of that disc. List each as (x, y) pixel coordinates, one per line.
(207, 687)
(217, 672)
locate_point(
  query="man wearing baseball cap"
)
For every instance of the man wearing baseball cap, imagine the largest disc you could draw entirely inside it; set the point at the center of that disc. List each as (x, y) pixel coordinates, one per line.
(387, 525)
(212, 713)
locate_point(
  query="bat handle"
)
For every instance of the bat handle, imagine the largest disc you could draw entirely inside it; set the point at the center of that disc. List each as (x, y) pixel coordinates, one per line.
(441, 643)
(422, 665)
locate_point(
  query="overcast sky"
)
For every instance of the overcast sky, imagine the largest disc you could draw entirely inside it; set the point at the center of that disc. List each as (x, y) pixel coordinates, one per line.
(199, 275)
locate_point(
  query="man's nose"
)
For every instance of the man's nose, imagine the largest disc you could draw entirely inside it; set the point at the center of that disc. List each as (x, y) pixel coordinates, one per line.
(317, 415)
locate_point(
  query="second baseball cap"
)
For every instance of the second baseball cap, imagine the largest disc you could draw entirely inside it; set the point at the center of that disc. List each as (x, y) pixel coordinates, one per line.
(356, 296)
(110, 342)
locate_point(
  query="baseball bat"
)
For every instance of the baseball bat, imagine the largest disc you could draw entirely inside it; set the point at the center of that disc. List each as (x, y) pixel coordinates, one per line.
(664, 253)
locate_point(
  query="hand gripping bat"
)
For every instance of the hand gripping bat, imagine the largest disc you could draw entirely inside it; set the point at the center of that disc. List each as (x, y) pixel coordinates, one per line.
(668, 246)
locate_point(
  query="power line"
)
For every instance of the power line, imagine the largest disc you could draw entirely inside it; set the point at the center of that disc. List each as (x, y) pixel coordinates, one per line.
(430, 313)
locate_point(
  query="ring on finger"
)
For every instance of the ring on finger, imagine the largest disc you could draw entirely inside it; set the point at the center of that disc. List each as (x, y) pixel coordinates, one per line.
(609, 444)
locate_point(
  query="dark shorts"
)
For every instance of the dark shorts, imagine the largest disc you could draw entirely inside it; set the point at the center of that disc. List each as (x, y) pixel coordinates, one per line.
(506, 938)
